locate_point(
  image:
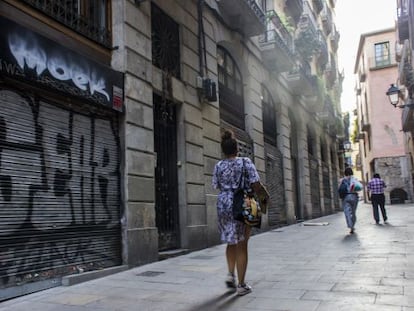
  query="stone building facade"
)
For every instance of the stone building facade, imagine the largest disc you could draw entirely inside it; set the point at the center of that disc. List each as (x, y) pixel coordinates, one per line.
(404, 50)
(174, 75)
(381, 141)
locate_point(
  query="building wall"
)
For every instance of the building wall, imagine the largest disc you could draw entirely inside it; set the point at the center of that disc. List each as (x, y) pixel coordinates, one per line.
(199, 126)
(383, 146)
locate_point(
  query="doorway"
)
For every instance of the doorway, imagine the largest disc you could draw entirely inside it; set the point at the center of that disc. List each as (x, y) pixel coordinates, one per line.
(166, 178)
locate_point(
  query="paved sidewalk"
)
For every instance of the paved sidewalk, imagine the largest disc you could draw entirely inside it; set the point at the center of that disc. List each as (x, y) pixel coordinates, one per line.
(298, 268)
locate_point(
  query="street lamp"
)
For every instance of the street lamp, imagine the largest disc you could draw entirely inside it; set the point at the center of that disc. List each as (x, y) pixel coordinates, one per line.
(394, 94)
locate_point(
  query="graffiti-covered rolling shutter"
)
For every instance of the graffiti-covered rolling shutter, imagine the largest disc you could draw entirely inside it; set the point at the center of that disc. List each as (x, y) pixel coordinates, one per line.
(59, 190)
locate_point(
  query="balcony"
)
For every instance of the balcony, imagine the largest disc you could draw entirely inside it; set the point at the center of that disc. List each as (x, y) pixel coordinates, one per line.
(323, 57)
(331, 74)
(318, 5)
(90, 21)
(302, 82)
(326, 17)
(244, 15)
(362, 75)
(403, 20)
(405, 69)
(295, 9)
(335, 39)
(307, 42)
(277, 45)
(407, 118)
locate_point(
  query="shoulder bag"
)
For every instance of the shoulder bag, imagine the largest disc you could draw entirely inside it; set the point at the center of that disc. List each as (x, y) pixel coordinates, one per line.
(245, 207)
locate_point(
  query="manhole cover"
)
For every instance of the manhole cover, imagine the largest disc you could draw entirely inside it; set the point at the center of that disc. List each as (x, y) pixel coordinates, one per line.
(150, 273)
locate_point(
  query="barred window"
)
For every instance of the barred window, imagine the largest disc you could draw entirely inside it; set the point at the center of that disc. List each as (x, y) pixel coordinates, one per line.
(230, 89)
(269, 117)
(165, 42)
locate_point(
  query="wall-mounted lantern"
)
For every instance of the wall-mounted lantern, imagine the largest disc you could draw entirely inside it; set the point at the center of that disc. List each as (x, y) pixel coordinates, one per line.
(394, 95)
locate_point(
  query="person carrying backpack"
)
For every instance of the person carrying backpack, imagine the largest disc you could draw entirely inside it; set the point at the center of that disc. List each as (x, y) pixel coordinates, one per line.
(348, 192)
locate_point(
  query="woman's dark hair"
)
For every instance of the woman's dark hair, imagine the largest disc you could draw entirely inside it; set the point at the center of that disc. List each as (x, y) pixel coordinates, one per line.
(229, 143)
(348, 172)
(376, 175)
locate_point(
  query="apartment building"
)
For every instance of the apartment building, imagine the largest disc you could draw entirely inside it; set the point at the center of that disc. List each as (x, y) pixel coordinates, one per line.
(404, 50)
(381, 141)
(111, 114)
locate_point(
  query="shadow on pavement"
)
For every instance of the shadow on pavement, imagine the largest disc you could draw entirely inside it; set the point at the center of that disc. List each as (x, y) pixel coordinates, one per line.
(219, 303)
(350, 238)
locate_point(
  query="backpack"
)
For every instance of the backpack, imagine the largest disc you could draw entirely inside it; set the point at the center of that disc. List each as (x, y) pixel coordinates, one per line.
(343, 188)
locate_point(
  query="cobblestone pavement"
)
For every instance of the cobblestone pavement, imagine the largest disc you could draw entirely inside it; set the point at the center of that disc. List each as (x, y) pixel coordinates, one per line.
(315, 266)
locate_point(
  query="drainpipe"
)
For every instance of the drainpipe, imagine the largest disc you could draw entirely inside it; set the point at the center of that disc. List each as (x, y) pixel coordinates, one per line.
(200, 37)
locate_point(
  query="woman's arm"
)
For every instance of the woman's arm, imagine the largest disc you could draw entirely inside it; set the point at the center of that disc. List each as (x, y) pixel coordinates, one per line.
(261, 193)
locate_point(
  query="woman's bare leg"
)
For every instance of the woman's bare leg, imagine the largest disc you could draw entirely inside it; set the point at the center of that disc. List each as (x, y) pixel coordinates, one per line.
(231, 252)
(242, 256)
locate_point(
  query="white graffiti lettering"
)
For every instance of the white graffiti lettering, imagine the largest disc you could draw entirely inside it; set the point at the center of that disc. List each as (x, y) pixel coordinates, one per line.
(29, 53)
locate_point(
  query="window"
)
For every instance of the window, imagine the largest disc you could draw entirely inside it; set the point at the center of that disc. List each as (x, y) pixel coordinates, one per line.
(165, 42)
(230, 89)
(323, 151)
(310, 142)
(382, 54)
(269, 117)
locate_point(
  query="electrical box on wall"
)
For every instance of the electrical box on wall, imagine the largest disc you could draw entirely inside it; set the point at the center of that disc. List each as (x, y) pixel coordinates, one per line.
(208, 88)
(210, 91)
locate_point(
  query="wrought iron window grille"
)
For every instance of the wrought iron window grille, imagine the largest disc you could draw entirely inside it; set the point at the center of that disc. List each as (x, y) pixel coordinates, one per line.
(89, 19)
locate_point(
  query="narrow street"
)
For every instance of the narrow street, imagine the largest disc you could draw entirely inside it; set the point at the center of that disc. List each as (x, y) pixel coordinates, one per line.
(315, 266)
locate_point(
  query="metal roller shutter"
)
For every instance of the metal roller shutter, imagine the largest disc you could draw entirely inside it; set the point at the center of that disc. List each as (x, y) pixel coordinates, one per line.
(59, 191)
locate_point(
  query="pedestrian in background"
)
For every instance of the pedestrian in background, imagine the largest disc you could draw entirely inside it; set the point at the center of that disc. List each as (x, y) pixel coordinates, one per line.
(226, 177)
(348, 191)
(376, 194)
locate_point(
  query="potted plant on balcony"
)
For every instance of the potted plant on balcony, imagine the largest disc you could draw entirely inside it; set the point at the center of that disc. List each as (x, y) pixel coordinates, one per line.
(307, 44)
(280, 20)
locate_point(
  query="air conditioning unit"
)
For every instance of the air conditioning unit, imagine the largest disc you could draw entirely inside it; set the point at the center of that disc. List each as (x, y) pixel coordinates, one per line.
(208, 88)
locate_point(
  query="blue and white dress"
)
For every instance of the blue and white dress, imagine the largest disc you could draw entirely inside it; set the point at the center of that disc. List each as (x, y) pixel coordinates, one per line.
(226, 178)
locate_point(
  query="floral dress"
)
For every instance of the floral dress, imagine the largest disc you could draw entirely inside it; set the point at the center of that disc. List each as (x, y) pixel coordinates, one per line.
(226, 178)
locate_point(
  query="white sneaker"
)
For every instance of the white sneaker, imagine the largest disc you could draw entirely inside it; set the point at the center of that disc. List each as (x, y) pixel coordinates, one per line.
(243, 289)
(231, 280)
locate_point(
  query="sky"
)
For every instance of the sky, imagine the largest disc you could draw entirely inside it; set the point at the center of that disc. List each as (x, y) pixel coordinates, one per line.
(353, 18)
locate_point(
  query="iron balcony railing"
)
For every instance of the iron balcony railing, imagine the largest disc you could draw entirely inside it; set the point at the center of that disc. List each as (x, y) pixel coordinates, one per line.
(326, 17)
(303, 82)
(256, 8)
(403, 20)
(245, 16)
(335, 36)
(308, 18)
(90, 21)
(277, 33)
(318, 5)
(295, 8)
(407, 119)
(324, 53)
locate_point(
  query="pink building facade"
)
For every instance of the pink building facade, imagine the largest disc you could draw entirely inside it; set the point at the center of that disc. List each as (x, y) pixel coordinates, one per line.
(379, 132)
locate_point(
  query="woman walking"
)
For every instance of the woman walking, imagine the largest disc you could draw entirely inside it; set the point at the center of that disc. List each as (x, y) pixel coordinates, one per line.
(226, 177)
(350, 197)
